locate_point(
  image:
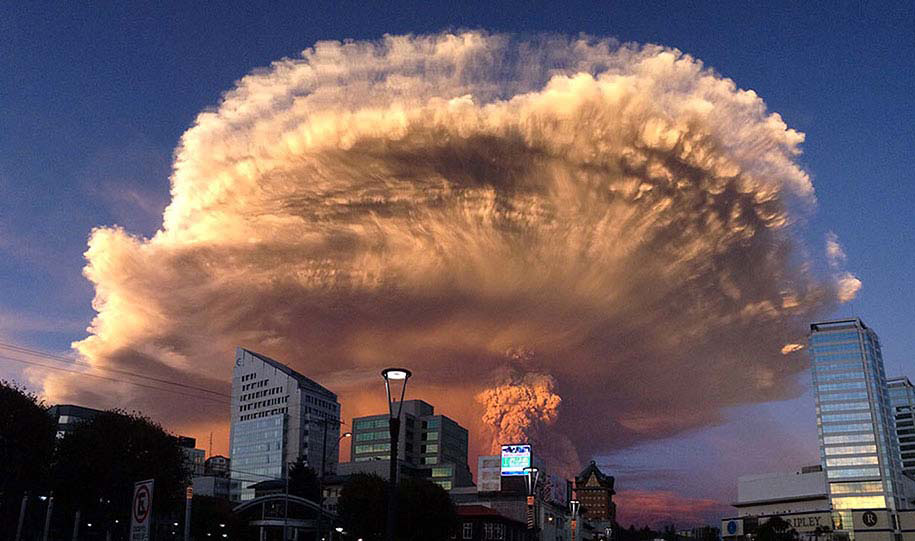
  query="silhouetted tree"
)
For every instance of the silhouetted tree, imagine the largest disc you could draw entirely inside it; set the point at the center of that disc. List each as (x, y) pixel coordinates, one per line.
(776, 529)
(362, 506)
(212, 517)
(425, 511)
(303, 481)
(26, 449)
(669, 533)
(98, 463)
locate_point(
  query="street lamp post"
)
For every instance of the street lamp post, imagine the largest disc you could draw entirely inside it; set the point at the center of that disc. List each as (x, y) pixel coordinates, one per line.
(323, 473)
(574, 505)
(394, 375)
(531, 475)
(25, 502)
(47, 517)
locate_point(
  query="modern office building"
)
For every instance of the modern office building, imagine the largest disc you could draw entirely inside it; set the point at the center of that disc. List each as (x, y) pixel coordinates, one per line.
(858, 447)
(215, 486)
(902, 400)
(194, 458)
(68, 416)
(427, 440)
(277, 416)
(217, 466)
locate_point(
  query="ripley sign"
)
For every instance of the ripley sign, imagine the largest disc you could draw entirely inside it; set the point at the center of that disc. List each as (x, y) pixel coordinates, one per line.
(806, 522)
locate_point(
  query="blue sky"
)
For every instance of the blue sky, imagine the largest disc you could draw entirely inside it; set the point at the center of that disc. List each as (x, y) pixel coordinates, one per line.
(96, 98)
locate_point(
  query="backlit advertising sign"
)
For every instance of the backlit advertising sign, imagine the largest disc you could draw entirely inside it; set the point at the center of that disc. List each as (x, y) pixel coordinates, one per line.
(515, 458)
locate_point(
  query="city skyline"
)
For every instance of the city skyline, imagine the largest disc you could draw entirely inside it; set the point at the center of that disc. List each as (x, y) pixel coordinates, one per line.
(846, 202)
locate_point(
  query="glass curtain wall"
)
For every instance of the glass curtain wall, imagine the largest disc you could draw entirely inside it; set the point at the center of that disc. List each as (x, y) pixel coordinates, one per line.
(855, 424)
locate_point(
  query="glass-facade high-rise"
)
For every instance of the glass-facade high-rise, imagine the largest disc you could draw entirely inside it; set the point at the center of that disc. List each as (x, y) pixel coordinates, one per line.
(427, 441)
(902, 399)
(278, 415)
(855, 423)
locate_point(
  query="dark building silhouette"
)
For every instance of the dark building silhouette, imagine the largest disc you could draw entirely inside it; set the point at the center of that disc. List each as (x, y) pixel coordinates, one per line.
(595, 492)
(68, 416)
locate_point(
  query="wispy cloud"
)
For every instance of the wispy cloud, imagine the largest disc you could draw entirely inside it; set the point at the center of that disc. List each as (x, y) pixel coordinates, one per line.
(847, 284)
(663, 507)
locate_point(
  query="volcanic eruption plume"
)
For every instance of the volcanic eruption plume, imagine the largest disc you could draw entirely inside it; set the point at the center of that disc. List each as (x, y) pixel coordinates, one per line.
(433, 201)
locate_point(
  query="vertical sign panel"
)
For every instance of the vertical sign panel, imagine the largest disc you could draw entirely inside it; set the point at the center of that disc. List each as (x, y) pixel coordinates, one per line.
(141, 510)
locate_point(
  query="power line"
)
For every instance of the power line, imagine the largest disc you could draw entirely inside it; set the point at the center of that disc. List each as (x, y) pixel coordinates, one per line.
(308, 417)
(27, 351)
(116, 380)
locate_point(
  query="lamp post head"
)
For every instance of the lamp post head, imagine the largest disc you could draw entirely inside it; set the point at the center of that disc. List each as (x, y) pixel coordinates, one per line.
(574, 506)
(531, 475)
(395, 375)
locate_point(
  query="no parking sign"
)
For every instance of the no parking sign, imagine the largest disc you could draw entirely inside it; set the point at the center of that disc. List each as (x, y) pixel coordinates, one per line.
(141, 510)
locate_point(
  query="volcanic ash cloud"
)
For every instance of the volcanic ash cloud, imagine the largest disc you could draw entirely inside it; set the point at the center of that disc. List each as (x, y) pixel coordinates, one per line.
(623, 212)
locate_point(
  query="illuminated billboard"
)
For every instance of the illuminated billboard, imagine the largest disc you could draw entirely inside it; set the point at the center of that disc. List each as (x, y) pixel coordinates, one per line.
(515, 458)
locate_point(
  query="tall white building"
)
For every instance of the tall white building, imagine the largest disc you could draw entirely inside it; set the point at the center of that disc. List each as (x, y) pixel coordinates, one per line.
(277, 416)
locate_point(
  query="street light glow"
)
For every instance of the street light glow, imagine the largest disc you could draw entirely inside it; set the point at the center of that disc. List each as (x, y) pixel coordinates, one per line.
(396, 373)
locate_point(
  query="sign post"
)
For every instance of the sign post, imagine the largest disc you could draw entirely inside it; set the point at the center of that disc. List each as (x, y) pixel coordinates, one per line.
(188, 497)
(141, 510)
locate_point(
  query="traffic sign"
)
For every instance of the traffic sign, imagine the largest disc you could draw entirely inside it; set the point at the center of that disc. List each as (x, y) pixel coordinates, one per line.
(141, 510)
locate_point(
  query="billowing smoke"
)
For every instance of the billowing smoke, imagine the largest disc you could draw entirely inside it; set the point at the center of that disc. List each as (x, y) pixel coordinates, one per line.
(434, 201)
(521, 408)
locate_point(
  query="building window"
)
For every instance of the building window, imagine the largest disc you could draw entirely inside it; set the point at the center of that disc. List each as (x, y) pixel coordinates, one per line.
(467, 531)
(442, 471)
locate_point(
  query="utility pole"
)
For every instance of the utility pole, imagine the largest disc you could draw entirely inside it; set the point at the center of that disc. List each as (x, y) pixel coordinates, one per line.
(25, 502)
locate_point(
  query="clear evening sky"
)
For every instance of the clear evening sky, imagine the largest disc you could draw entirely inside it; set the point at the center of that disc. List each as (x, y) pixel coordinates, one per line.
(93, 102)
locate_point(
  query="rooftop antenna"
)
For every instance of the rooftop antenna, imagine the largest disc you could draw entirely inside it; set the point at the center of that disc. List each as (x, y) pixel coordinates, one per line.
(211, 444)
